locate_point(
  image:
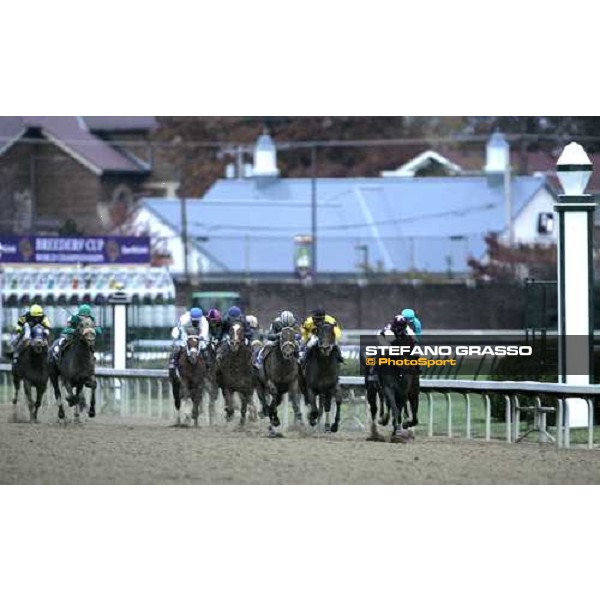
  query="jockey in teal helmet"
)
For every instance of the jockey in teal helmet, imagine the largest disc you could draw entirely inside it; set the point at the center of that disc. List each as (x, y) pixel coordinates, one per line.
(414, 321)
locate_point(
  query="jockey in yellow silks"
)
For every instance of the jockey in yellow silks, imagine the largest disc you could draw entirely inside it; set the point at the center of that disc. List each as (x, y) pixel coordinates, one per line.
(309, 330)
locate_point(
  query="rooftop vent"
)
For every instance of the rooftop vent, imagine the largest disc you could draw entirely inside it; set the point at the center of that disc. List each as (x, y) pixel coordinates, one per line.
(265, 157)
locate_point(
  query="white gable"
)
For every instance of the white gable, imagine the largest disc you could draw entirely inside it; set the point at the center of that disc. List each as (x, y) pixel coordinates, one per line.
(422, 161)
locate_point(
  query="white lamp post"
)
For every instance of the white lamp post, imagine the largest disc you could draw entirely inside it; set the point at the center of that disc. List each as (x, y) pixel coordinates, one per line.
(119, 301)
(575, 211)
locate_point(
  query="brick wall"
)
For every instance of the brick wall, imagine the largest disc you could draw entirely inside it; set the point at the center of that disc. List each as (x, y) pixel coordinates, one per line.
(62, 188)
(493, 306)
(14, 180)
(66, 189)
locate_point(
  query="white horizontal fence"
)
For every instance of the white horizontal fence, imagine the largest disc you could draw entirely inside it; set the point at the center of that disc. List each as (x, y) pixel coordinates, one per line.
(147, 393)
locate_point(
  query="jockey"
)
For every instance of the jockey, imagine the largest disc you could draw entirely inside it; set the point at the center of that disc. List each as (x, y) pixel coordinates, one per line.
(215, 324)
(191, 319)
(309, 331)
(396, 327)
(413, 394)
(83, 318)
(22, 331)
(414, 321)
(255, 336)
(285, 319)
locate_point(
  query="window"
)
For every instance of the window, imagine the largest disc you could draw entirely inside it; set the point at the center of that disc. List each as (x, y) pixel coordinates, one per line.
(545, 223)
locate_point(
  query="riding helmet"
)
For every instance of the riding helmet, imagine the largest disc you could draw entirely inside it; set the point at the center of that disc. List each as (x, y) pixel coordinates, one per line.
(252, 321)
(234, 312)
(318, 313)
(36, 310)
(196, 313)
(287, 318)
(85, 310)
(409, 313)
(214, 315)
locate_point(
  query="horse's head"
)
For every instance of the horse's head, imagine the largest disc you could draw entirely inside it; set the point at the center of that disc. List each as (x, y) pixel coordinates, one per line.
(325, 337)
(287, 342)
(192, 347)
(88, 336)
(236, 336)
(39, 340)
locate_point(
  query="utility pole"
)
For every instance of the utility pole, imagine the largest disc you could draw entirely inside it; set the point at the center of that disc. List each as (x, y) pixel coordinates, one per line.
(508, 206)
(313, 175)
(184, 231)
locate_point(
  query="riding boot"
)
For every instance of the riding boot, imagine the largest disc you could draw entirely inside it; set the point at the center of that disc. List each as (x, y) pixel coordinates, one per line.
(173, 363)
(338, 354)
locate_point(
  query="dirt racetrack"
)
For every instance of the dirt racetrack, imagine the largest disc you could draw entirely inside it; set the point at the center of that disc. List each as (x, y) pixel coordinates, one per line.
(112, 450)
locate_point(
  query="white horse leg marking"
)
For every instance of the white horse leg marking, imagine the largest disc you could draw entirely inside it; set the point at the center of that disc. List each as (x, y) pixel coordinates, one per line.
(186, 407)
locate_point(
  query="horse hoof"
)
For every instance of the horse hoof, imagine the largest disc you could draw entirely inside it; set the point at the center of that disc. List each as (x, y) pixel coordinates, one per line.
(375, 437)
(399, 438)
(61, 413)
(273, 433)
(334, 428)
(92, 413)
(14, 400)
(327, 428)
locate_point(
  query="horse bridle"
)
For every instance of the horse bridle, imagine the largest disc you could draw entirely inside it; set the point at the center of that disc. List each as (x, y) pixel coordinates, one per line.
(194, 351)
(288, 347)
(233, 342)
(328, 327)
(38, 341)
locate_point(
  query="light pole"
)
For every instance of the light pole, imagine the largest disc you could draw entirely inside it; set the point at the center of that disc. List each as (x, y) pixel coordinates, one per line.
(575, 268)
(313, 195)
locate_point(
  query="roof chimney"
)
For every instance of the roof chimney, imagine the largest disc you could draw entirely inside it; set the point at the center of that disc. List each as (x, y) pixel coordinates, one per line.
(265, 157)
(497, 155)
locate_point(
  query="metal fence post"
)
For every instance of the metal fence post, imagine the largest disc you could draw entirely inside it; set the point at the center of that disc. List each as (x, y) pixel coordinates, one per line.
(448, 396)
(488, 417)
(468, 416)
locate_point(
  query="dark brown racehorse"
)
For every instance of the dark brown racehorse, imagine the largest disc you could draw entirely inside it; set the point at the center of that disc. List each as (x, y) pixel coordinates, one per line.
(74, 369)
(192, 371)
(395, 384)
(234, 371)
(32, 369)
(319, 378)
(279, 376)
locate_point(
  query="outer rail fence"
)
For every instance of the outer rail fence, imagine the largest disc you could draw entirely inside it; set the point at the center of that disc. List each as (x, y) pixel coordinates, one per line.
(146, 393)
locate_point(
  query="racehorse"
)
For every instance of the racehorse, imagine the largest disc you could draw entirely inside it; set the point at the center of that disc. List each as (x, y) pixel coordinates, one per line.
(32, 368)
(234, 371)
(395, 383)
(192, 371)
(278, 377)
(375, 392)
(319, 378)
(74, 369)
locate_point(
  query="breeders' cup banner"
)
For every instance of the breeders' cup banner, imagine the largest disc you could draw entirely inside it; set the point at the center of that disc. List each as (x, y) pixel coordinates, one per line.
(66, 250)
(497, 357)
